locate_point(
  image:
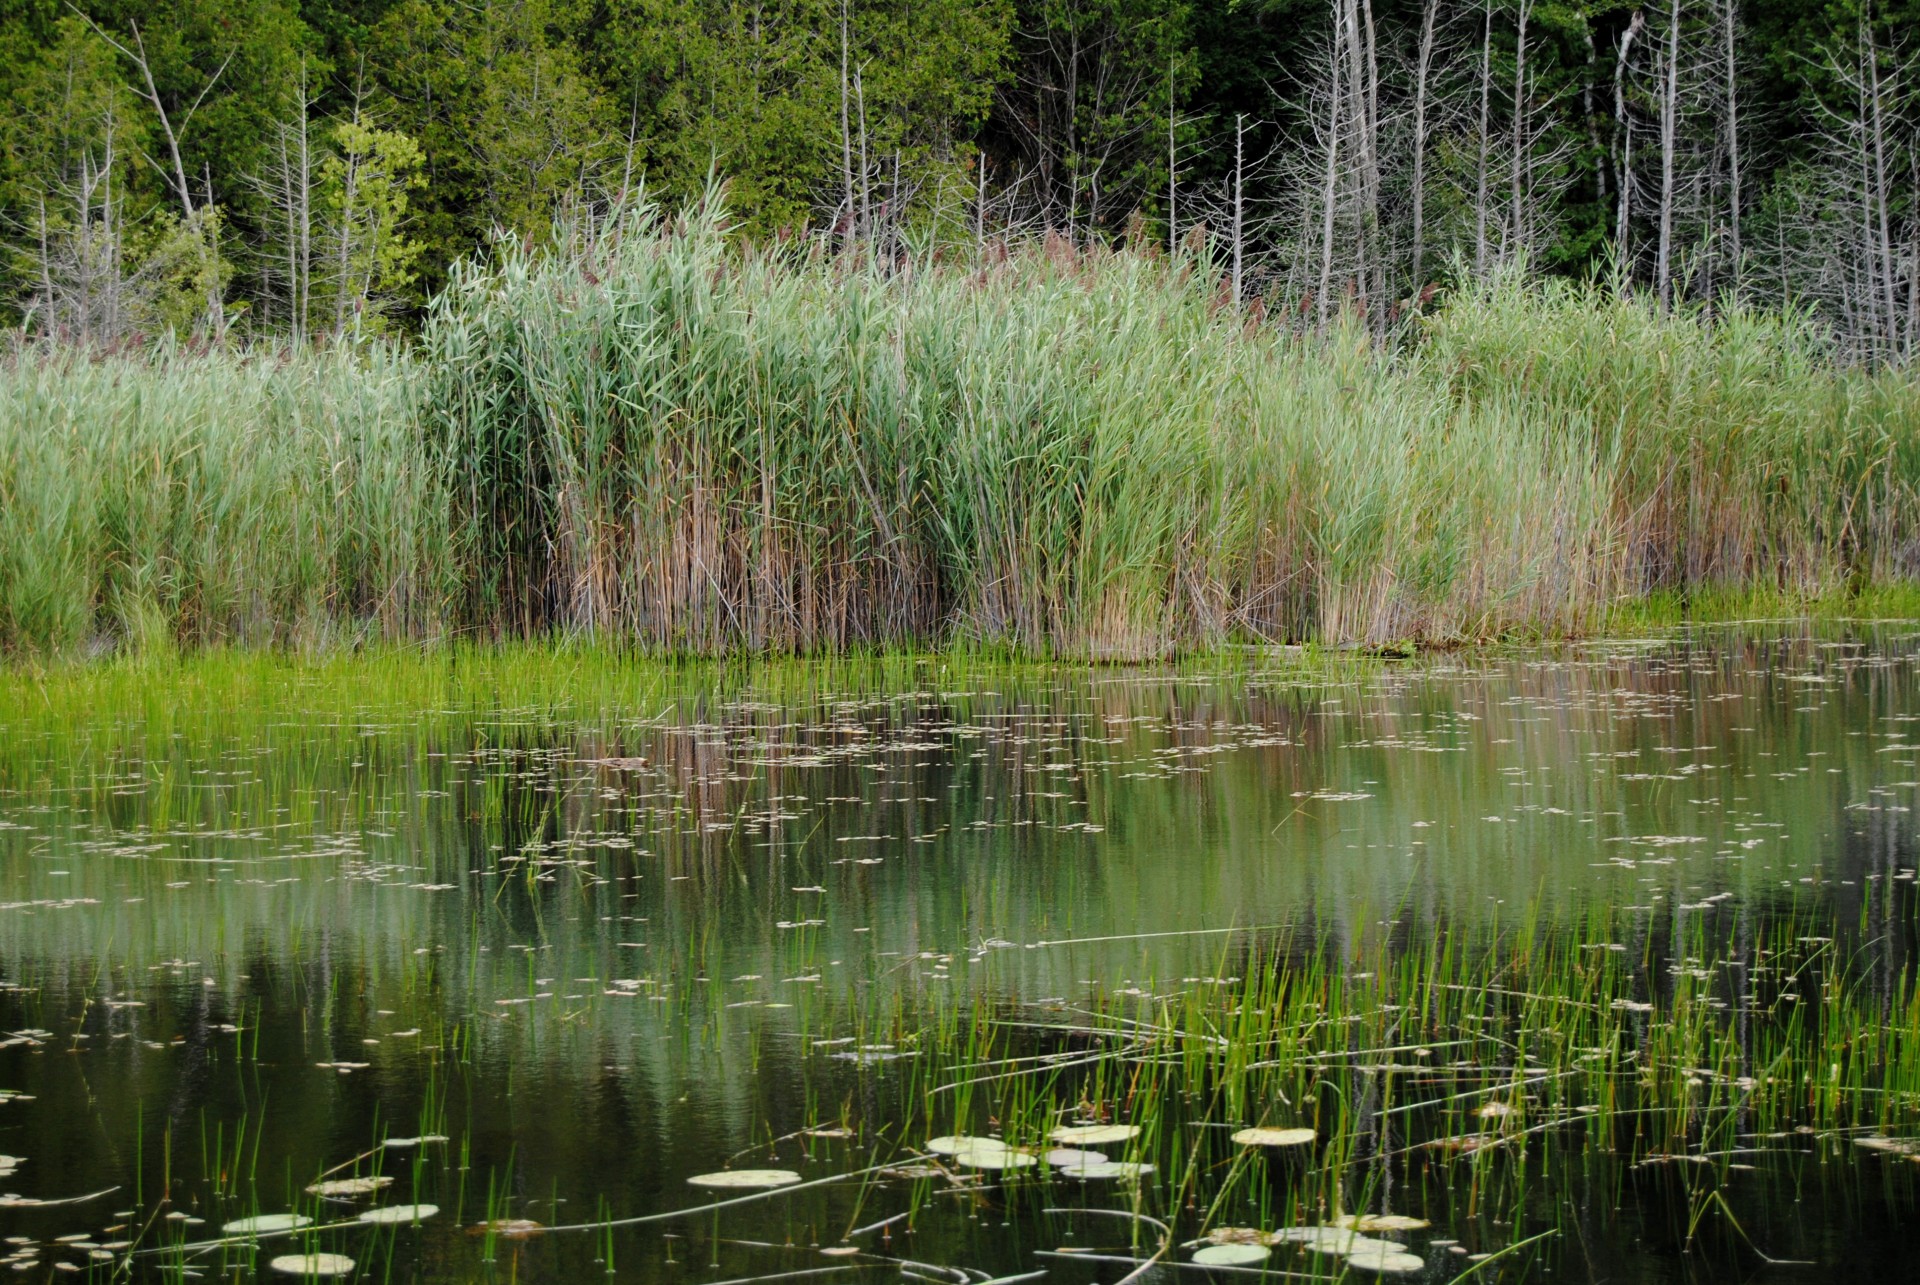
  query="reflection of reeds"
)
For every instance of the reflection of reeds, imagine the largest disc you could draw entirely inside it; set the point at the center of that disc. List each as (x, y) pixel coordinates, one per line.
(1473, 1061)
(660, 437)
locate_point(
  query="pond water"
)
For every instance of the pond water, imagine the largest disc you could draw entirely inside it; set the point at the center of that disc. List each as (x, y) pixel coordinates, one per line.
(1596, 961)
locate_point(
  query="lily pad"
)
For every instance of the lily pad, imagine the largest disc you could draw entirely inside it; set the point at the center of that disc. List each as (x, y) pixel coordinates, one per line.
(348, 1186)
(1231, 1255)
(998, 1156)
(1379, 1222)
(955, 1143)
(1335, 1240)
(400, 1144)
(1095, 1135)
(312, 1264)
(509, 1228)
(747, 1179)
(1124, 1170)
(266, 1222)
(1066, 1156)
(1274, 1137)
(1240, 1236)
(399, 1214)
(1892, 1146)
(1390, 1262)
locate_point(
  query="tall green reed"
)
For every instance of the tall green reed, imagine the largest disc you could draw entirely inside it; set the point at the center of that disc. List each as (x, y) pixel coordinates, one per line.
(648, 432)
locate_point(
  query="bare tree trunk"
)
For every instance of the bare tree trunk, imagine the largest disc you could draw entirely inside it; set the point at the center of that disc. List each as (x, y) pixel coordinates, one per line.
(112, 269)
(846, 129)
(1352, 37)
(43, 239)
(343, 246)
(1517, 178)
(1600, 172)
(893, 206)
(979, 202)
(1173, 170)
(866, 184)
(1429, 21)
(1480, 182)
(1072, 151)
(1865, 296)
(1913, 260)
(1669, 113)
(344, 292)
(297, 184)
(110, 274)
(303, 299)
(1370, 176)
(1735, 198)
(1880, 195)
(1239, 193)
(1623, 130)
(1328, 188)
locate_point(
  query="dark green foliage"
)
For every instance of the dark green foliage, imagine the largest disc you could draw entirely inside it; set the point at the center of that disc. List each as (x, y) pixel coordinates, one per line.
(523, 106)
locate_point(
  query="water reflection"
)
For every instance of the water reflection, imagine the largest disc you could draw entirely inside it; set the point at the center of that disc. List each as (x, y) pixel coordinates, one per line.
(604, 945)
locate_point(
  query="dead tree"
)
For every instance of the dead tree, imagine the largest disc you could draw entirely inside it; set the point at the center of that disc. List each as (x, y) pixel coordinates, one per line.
(1623, 140)
(1730, 114)
(200, 216)
(1422, 84)
(1669, 125)
(1484, 139)
(287, 186)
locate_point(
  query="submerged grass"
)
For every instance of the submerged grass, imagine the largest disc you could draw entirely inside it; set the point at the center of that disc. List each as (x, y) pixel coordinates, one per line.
(652, 436)
(1708, 1047)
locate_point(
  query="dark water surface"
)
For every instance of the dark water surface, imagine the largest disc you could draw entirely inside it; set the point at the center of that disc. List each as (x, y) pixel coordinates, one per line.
(684, 921)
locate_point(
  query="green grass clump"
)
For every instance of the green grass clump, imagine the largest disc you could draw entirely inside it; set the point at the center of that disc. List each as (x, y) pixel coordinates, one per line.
(189, 499)
(650, 434)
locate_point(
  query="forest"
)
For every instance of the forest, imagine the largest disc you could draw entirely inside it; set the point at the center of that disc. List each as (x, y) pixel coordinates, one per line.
(313, 170)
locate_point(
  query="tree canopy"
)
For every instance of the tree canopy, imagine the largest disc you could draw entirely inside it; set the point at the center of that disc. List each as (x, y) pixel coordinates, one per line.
(263, 163)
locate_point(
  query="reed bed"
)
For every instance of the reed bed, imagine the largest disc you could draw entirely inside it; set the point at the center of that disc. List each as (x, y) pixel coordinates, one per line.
(649, 434)
(179, 499)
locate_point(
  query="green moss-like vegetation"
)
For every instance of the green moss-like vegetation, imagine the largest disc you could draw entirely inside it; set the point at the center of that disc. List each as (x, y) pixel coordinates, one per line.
(1895, 600)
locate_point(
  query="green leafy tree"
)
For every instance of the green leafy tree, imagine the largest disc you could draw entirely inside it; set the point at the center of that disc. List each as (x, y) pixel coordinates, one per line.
(363, 195)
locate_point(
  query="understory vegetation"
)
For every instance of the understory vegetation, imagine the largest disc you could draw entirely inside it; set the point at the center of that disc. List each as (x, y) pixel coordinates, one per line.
(650, 435)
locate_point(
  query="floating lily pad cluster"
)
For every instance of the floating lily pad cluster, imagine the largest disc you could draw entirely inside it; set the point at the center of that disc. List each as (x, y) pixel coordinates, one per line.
(1344, 1237)
(1072, 1160)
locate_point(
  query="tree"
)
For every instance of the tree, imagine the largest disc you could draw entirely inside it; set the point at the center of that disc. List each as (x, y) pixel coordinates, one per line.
(363, 196)
(1084, 112)
(496, 96)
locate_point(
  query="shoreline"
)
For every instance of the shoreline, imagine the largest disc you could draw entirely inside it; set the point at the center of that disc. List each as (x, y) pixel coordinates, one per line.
(561, 672)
